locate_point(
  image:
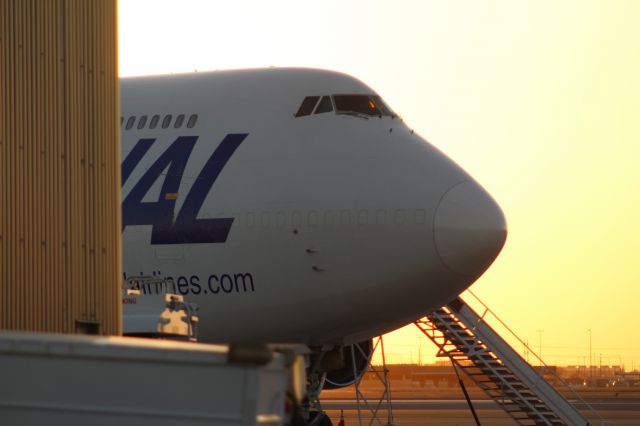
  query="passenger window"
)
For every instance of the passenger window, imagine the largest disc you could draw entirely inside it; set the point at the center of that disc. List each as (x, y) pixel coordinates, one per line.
(307, 106)
(121, 120)
(192, 121)
(142, 122)
(130, 122)
(325, 105)
(166, 121)
(179, 120)
(154, 121)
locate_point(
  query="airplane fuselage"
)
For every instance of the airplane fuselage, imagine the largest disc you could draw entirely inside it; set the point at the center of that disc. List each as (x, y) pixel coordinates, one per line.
(318, 228)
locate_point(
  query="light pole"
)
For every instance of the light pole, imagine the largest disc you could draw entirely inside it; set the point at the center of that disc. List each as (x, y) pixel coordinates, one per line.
(590, 363)
(540, 331)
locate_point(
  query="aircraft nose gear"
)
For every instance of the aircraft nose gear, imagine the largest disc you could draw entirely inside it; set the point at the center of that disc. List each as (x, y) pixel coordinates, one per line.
(313, 414)
(369, 410)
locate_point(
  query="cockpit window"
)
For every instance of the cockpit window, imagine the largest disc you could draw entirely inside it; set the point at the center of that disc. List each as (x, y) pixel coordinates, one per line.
(307, 106)
(364, 106)
(361, 104)
(382, 106)
(325, 105)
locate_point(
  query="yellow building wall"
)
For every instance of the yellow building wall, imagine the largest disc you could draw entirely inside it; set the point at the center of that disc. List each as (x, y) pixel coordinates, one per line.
(60, 224)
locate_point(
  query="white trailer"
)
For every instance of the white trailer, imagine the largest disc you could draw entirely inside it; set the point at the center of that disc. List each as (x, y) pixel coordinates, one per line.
(80, 380)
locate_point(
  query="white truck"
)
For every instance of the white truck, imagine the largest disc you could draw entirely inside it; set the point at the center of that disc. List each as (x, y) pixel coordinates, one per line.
(52, 379)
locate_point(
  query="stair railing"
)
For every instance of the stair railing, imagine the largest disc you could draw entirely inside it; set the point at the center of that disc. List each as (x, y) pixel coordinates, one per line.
(544, 368)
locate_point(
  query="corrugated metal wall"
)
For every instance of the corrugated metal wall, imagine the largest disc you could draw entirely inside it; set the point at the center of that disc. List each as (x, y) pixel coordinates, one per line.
(59, 166)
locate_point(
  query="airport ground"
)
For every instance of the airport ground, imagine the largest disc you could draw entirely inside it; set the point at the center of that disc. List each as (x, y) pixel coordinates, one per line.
(417, 405)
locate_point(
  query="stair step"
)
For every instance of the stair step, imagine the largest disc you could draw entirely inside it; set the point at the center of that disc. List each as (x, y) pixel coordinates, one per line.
(507, 381)
(522, 390)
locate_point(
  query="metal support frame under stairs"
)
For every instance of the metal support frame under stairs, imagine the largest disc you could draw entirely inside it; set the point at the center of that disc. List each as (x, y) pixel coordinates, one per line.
(475, 348)
(375, 406)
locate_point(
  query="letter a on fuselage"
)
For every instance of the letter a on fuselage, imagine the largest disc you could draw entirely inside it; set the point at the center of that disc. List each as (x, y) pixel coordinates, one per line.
(186, 228)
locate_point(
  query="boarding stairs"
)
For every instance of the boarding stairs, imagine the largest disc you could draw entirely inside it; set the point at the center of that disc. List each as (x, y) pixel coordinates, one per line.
(494, 366)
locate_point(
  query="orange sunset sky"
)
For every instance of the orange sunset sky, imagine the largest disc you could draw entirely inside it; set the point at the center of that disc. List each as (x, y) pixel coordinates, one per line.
(539, 101)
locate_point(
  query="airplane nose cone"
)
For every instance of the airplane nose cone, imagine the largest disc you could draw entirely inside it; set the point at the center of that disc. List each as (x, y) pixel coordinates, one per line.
(469, 229)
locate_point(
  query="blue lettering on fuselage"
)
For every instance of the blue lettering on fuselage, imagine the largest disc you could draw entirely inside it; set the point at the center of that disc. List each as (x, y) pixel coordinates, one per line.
(186, 228)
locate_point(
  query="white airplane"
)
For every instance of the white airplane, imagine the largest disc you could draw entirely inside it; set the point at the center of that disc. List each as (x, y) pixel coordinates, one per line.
(292, 205)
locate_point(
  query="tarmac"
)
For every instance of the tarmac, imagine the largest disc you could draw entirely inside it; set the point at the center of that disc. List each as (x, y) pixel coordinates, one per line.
(456, 412)
(419, 406)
